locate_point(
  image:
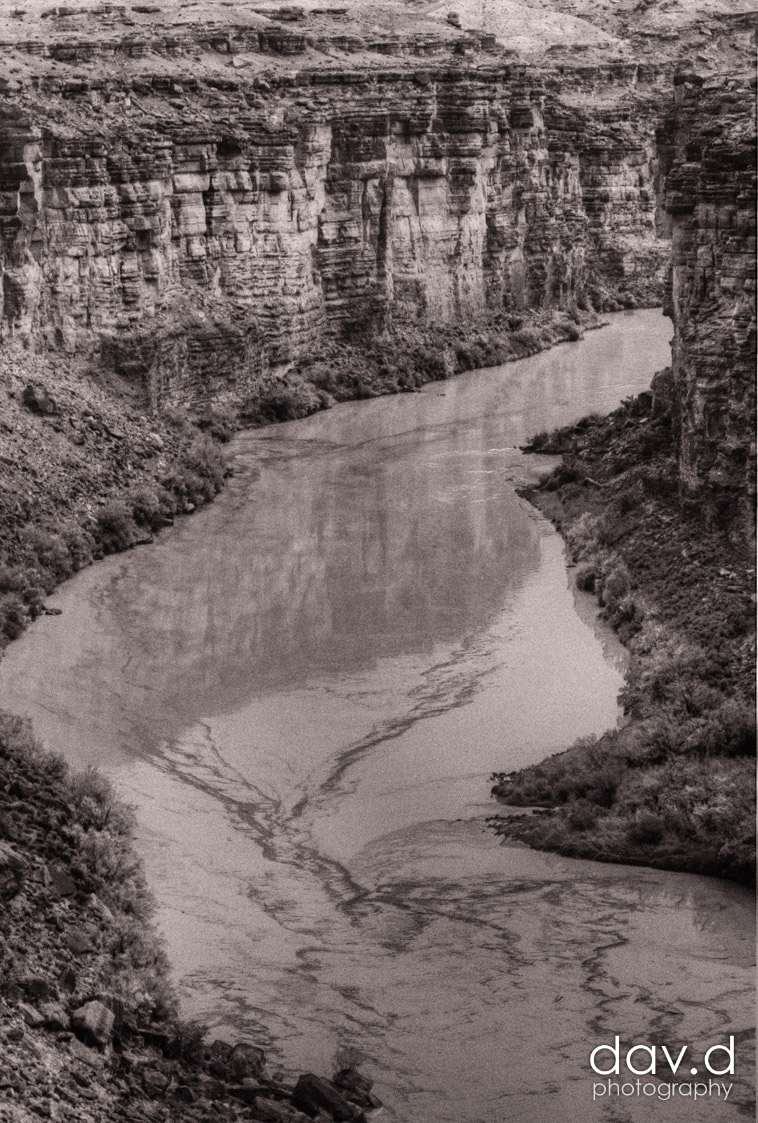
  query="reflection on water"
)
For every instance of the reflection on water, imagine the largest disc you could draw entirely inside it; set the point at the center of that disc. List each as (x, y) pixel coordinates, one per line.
(304, 688)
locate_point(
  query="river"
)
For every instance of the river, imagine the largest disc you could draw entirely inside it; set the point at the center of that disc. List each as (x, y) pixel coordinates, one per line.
(303, 690)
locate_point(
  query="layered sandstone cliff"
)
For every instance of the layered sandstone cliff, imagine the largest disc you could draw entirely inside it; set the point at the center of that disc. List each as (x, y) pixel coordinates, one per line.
(191, 220)
(708, 149)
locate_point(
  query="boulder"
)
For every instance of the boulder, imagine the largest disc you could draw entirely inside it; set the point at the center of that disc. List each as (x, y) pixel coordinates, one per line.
(154, 1082)
(37, 988)
(80, 941)
(357, 1088)
(37, 399)
(219, 1057)
(68, 979)
(272, 1111)
(55, 1017)
(85, 1054)
(13, 870)
(100, 908)
(313, 1094)
(247, 1093)
(247, 1060)
(93, 1022)
(31, 1016)
(60, 880)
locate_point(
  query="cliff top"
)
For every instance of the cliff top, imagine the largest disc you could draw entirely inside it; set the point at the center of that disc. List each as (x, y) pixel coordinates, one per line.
(711, 35)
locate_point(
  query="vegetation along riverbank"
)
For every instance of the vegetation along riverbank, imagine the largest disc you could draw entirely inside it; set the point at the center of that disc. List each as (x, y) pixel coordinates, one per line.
(674, 787)
(86, 471)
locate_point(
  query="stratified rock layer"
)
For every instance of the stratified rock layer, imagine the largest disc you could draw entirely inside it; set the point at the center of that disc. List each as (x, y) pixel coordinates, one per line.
(708, 147)
(195, 235)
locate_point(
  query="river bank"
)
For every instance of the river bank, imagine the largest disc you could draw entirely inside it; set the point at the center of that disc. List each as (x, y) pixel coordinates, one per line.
(88, 471)
(89, 1027)
(674, 787)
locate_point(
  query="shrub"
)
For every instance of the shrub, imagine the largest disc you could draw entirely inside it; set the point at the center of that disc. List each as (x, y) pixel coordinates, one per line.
(78, 543)
(729, 730)
(197, 477)
(50, 552)
(585, 577)
(693, 698)
(151, 506)
(324, 377)
(659, 670)
(527, 340)
(94, 802)
(25, 583)
(583, 534)
(563, 474)
(220, 422)
(115, 526)
(653, 438)
(664, 736)
(13, 616)
(627, 618)
(188, 488)
(145, 506)
(103, 855)
(590, 771)
(175, 416)
(615, 586)
(206, 460)
(74, 820)
(631, 497)
(539, 441)
(583, 817)
(646, 829)
(431, 362)
(469, 356)
(188, 1043)
(285, 401)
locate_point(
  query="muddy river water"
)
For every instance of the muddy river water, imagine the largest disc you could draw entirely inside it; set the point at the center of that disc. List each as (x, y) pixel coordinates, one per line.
(304, 688)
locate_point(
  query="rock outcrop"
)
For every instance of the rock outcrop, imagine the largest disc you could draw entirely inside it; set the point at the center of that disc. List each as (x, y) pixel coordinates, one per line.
(193, 233)
(708, 149)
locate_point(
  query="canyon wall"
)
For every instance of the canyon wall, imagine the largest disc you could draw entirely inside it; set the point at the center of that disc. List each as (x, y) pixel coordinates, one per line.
(708, 153)
(192, 235)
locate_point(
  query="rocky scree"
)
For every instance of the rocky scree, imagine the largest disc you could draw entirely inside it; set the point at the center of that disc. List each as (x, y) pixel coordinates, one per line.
(88, 1024)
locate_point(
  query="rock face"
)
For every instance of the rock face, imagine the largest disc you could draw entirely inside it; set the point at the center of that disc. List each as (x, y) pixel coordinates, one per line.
(192, 236)
(708, 149)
